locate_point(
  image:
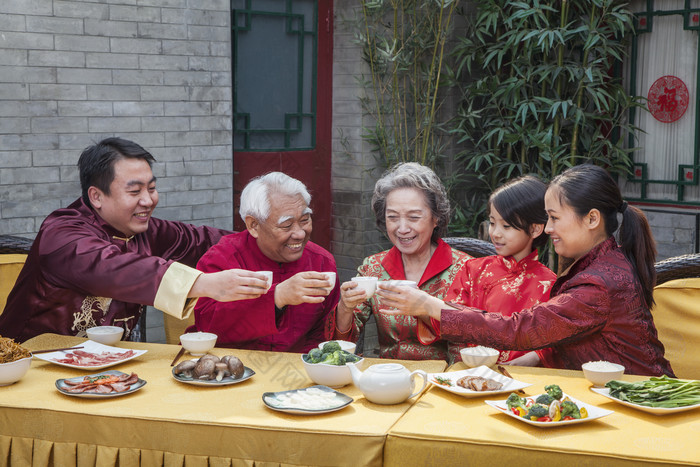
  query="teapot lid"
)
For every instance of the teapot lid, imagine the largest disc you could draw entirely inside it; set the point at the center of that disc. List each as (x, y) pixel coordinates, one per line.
(387, 367)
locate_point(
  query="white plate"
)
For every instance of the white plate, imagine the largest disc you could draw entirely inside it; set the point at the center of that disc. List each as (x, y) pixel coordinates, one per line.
(62, 386)
(247, 373)
(509, 384)
(90, 347)
(593, 413)
(605, 392)
(342, 401)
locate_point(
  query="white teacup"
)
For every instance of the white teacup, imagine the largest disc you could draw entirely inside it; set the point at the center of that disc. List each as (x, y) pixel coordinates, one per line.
(331, 278)
(368, 284)
(268, 274)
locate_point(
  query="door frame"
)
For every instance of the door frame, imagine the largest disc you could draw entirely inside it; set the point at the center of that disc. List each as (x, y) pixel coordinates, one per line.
(312, 167)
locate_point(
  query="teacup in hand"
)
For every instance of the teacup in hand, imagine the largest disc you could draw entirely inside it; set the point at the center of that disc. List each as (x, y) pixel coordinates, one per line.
(368, 284)
(331, 278)
(268, 275)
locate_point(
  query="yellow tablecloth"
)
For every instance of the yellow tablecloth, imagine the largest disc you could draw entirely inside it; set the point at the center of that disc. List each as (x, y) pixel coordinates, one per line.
(172, 423)
(446, 429)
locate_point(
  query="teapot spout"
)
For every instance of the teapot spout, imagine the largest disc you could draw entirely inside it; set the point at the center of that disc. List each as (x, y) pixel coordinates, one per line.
(355, 373)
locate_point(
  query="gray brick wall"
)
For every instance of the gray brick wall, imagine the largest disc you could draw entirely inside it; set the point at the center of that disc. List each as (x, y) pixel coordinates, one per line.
(73, 72)
(354, 168)
(674, 230)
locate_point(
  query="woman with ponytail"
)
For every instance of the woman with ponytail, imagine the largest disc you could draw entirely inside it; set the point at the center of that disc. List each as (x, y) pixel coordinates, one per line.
(599, 307)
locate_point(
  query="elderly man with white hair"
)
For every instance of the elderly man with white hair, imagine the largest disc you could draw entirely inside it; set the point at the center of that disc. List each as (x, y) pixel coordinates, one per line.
(292, 316)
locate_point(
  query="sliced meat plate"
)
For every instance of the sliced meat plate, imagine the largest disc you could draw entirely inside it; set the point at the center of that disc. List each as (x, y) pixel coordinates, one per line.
(93, 356)
(111, 383)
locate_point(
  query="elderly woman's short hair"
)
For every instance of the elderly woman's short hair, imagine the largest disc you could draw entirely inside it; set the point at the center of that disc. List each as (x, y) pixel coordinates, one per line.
(413, 175)
(255, 198)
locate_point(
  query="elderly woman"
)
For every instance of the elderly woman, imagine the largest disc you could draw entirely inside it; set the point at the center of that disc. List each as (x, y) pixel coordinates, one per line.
(411, 206)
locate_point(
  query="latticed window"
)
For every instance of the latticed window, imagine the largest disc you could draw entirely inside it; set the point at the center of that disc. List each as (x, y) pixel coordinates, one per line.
(282, 61)
(274, 66)
(663, 67)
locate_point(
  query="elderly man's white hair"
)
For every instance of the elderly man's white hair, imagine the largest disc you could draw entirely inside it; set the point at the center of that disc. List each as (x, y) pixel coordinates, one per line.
(255, 199)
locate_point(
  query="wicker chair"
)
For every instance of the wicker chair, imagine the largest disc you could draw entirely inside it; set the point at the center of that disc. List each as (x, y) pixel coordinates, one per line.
(471, 246)
(10, 244)
(678, 267)
(676, 313)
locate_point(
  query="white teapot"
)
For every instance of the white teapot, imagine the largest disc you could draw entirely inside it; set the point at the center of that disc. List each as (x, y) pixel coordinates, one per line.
(387, 383)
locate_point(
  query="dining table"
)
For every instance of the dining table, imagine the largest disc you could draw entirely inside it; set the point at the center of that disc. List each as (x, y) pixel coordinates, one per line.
(168, 422)
(444, 428)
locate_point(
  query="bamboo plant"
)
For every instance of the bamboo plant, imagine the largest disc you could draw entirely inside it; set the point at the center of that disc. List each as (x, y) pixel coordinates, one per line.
(540, 92)
(534, 84)
(405, 44)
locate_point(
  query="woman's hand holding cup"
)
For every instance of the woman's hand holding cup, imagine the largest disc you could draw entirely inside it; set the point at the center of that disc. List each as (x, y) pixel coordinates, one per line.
(404, 298)
(368, 284)
(401, 297)
(352, 293)
(356, 291)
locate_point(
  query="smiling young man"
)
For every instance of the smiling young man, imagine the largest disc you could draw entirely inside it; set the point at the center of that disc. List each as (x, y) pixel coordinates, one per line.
(98, 261)
(292, 315)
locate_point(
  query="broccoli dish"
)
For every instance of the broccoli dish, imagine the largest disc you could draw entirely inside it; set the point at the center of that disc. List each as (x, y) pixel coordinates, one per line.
(330, 354)
(552, 406)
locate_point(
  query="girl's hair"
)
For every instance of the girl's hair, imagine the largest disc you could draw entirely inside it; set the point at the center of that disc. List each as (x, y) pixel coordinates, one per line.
(586, 187)
(413, 175)
(521, 204)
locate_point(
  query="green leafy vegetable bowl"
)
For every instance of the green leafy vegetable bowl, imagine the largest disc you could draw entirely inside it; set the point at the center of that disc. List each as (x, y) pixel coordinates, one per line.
(334, 376)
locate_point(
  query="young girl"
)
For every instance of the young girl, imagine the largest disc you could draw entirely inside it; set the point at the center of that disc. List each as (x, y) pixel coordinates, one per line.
(599, 308)
(514, 279)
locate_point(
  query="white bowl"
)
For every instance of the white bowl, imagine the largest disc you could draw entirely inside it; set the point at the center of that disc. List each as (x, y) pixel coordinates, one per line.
(107, 335)
(198, 343)
(333, 376)
(344, 345)
(14, 371)
(479, 355)
(601, 372)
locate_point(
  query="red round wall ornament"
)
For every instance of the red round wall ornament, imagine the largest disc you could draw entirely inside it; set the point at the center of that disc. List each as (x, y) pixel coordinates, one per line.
(668, 99)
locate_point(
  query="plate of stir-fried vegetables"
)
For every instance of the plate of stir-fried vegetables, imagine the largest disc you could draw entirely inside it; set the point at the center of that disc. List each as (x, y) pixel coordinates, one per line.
(552, 408)
(659, 395)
